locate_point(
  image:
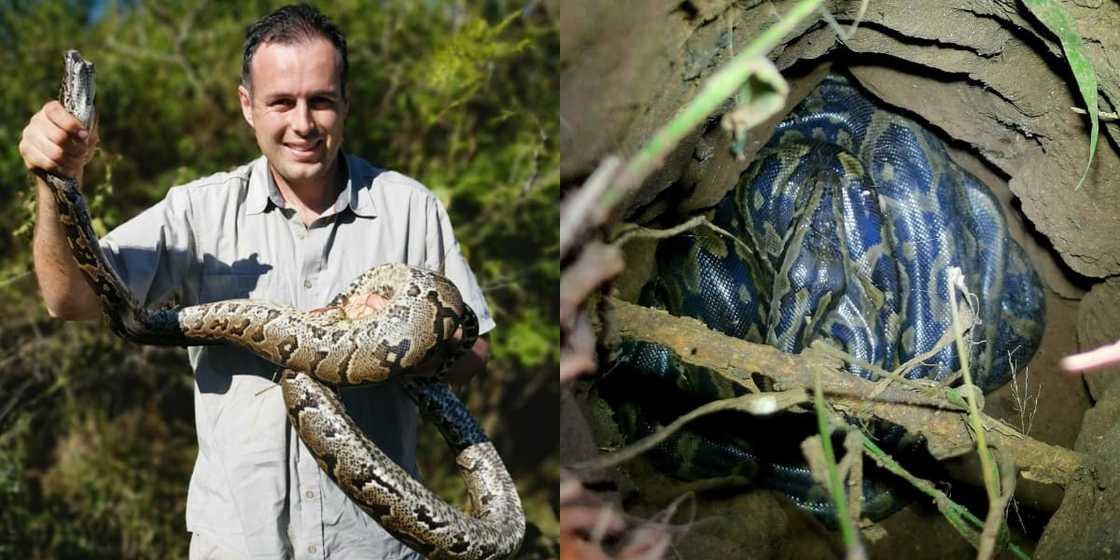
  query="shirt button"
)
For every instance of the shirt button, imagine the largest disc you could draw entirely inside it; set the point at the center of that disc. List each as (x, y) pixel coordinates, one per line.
(309, 494)
(311, 549)
(307, 284)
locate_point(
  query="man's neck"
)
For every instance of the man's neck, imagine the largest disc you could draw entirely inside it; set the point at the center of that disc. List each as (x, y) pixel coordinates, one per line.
(311, 198)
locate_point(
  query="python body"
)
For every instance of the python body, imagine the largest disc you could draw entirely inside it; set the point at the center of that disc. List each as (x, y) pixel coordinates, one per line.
(423, 314)
(847, 222)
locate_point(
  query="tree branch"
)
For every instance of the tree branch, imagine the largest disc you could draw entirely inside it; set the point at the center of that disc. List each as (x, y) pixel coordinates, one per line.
(927, 412)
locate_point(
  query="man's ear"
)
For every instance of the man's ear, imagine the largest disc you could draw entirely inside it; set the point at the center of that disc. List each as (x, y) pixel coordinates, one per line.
(246, 104)
(349, 94)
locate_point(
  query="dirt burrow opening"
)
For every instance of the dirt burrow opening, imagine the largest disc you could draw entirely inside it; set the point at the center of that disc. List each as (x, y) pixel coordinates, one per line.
(993, 84)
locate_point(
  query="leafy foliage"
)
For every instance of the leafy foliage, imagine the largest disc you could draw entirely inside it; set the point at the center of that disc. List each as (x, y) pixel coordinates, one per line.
(96, 438)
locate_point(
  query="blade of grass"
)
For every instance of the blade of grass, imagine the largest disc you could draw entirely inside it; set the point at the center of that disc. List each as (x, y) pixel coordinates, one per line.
(1055, 18)
(967, 524)
(835, 485)
(987, 463)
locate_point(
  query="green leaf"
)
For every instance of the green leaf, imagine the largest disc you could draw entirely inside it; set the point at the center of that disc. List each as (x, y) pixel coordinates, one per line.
(761, 97)
(1055, 18)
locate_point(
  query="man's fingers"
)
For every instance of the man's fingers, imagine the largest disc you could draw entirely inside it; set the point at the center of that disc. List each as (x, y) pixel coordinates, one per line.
(1097, 358)
(40, 152)
(34, 159)
(72, 147)
(95, 131)
(55, 141)
(62, 119)
(65, 130)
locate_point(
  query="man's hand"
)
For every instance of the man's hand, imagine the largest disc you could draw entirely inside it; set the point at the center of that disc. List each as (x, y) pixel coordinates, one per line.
(468, 364)
(1108, 355)
(54, 141)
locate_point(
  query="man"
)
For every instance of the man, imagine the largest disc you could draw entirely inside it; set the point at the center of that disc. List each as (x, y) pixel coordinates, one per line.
(295, 227)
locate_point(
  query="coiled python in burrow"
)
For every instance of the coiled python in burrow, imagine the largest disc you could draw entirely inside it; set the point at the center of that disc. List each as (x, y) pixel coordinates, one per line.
(423, 315)
(846, 223)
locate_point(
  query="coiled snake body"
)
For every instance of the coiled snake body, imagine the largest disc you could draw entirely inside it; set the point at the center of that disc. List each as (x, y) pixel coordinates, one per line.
(846, 224)
(420, 322)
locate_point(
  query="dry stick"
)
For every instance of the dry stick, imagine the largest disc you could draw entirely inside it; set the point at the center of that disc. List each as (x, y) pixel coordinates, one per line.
(581, 209)
(994, 523)
(626, 234)
(1103, 115)
(759, 404)
(896, 376)
(940, 421)
(641, 232)
(699, 346)
(852, 466)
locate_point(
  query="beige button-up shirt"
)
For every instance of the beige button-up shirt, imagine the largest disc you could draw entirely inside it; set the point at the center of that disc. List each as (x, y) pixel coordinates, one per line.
(255, 488)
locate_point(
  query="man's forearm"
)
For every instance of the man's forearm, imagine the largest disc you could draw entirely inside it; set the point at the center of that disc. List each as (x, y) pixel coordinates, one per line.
(470, 363)
(65, 291)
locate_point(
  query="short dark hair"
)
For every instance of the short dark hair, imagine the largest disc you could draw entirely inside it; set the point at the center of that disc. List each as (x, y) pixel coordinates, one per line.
(288, 25)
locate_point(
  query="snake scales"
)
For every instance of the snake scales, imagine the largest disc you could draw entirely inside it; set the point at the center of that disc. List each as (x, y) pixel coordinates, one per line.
(423, 314)
(846, 224)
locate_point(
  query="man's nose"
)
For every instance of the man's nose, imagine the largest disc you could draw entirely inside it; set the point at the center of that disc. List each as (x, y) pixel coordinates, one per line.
(302, 123)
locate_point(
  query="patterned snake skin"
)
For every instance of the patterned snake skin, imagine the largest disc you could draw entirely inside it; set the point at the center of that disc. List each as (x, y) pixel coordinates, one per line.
(849, 219)
(423, 313)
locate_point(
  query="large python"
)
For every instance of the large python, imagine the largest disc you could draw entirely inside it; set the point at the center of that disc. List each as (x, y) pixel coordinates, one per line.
(424, 318)
(845, 226)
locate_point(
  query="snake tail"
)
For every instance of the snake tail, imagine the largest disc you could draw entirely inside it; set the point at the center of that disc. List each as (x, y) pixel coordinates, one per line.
(400, 503)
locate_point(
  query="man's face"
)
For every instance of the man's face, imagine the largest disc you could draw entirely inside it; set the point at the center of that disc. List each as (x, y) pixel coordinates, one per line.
(297, 108)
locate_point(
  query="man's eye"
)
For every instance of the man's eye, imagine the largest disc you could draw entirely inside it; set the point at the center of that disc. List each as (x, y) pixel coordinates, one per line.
(322, 102)
(280, 103)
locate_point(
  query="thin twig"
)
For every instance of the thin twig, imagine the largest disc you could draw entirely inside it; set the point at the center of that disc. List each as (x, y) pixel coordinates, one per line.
(888, 377)
(14, 278)
(641, 232)
(527, 187)
(1103, 115)
(842, 35)
(995, 523)
(1022, 396)
(760, 404)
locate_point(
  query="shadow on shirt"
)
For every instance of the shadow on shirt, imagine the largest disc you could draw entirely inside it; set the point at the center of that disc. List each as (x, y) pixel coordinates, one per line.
(172, 278)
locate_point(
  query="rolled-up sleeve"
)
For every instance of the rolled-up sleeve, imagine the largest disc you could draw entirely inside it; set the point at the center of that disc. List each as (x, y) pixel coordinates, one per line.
(155, 252)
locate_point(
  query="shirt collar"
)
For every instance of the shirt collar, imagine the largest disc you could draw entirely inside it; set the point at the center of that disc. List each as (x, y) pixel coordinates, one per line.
(359, 181)
(261, 188)
(355, 195)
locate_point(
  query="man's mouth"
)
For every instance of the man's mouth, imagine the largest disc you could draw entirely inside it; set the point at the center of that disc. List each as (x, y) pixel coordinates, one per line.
(303, 150)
